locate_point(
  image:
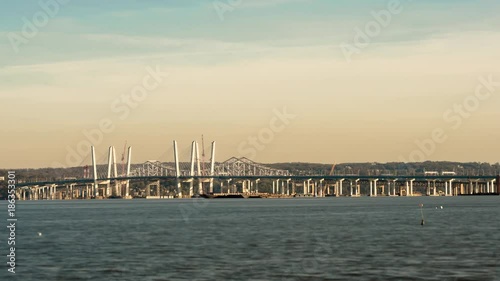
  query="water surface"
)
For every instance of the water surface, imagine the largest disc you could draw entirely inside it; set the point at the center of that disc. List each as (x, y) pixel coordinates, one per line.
(258, 239)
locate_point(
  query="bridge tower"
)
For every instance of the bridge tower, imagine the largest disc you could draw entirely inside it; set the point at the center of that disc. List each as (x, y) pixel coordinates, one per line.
(95, 190)
(212, 168)
(191, 172)
(127, 183)
(198, 168)
(177, 170)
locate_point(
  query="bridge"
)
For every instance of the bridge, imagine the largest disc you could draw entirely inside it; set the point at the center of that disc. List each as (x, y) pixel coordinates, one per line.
(240, 177)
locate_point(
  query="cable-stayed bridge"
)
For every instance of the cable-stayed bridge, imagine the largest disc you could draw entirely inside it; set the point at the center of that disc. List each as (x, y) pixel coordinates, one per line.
(238, 177)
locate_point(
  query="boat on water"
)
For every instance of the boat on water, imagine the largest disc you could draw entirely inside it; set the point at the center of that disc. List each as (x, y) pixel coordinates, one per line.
(222, 196)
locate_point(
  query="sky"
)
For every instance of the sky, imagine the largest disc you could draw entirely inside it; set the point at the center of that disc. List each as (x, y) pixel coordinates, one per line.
(275, 81)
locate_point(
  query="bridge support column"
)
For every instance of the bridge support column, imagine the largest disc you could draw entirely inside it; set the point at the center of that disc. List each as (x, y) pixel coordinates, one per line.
(498, 185)
(449, 188)
(341, 181)
(375, 192)
(191, 187)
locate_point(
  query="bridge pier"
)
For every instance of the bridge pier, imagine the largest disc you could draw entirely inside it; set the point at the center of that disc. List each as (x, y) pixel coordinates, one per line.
(341, 184)
(498, 184)
(373, 187)
(191, 187)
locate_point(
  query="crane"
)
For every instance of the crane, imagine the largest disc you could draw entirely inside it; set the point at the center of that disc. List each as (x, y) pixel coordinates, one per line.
(331, 171)
(202, 155)
(123, 158)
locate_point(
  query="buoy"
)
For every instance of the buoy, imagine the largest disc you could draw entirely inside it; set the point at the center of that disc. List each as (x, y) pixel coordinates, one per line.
(39, 234)
(422, 212)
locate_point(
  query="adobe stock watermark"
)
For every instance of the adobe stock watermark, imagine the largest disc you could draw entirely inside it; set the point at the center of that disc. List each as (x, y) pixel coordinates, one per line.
(363, 36)
(455, 117)
(31, 27)
(222, 7)
(255, 143)
(121, 107)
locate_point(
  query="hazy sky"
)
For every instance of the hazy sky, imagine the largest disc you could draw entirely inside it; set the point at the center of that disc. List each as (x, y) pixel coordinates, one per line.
(233, 64)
